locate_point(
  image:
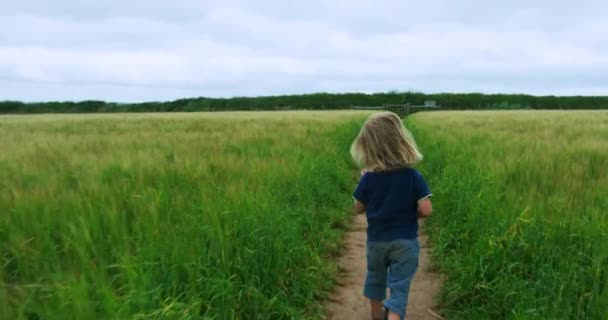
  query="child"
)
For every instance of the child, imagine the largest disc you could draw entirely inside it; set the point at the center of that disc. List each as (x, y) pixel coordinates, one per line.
(393, 195)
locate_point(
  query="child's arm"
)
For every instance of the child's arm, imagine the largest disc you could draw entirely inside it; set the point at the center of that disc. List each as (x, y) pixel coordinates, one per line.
(423, 194)
(359, 207)
(425, 208)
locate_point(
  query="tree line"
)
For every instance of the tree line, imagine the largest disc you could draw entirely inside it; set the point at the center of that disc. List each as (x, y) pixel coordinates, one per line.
(317, 101)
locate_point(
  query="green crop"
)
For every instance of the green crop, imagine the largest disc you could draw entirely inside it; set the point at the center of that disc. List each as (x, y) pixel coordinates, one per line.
(172, 216)
(521, 212)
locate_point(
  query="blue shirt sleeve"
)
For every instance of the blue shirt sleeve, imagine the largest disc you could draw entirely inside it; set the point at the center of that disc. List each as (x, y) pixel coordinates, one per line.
(361, 194)
(421, 189)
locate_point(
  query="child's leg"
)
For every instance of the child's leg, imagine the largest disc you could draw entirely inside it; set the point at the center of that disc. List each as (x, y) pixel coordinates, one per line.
(377, 309)
(394, 316)
(375, 283)
(403, 257)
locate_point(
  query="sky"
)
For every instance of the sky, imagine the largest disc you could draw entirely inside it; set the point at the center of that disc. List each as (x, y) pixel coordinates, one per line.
(150, 50)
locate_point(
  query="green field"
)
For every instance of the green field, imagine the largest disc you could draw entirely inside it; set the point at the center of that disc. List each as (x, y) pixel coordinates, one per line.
(172, 216)
(238, 215)
(521, 212)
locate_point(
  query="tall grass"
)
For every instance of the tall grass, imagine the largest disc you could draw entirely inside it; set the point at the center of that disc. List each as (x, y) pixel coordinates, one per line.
(521, 222)
(171, 216)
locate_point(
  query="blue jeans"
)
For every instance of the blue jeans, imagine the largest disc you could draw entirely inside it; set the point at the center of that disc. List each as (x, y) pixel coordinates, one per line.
(391, 264)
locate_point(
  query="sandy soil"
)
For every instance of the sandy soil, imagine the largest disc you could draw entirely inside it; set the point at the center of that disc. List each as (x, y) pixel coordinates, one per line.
(347, 301)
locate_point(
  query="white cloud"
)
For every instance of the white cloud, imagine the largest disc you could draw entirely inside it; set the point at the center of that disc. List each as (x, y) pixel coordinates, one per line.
(149, 50)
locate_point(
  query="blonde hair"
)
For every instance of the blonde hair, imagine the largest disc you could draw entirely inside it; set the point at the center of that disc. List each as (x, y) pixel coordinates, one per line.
(384, 144)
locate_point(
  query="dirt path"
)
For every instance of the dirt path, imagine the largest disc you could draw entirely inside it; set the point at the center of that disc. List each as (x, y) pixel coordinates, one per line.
(347, 301)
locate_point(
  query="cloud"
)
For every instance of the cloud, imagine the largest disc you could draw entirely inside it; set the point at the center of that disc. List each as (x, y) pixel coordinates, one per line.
(152, 50)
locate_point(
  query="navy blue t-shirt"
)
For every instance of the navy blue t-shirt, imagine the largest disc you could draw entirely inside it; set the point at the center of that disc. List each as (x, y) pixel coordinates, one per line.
(391, 203)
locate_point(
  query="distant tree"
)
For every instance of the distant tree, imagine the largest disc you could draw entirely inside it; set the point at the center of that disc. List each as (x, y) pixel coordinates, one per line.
(320, 100)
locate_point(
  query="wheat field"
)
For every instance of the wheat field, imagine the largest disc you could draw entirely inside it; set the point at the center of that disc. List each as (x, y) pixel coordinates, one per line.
(172, 216)
(521, 212)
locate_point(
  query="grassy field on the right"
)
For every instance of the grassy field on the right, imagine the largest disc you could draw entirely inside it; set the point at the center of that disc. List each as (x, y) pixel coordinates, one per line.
(520, 227)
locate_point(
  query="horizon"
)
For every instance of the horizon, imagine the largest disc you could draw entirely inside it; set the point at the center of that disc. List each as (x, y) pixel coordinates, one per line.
(302, 94)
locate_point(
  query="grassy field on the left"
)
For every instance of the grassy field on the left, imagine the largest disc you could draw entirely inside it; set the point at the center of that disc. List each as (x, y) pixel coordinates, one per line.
(172, 216)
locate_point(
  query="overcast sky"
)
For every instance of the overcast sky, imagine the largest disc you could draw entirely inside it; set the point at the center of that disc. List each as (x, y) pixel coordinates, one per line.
(136, 50)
